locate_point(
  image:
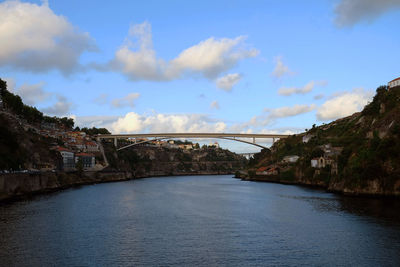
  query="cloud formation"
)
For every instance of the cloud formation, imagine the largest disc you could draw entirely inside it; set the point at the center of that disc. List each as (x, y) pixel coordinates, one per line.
(126, 101)
(271, 115)
(228, 81)
(61, 108)
(133, 123)
(94, 121)
(280, 68)
(344, 104)
(287, 91)
(33, 38)
(284, 112)
(137, 59)
(32, 94)
(350, 12)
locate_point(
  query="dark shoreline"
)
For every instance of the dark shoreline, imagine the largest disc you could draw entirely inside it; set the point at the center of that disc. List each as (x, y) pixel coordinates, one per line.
(325, 188)
(87, 179)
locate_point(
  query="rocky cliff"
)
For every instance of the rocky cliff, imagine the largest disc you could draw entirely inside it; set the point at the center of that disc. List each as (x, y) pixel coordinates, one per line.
(357, 155)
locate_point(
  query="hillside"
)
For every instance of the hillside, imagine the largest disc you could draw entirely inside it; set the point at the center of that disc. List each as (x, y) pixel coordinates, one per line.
(359, 154)
(147, 160)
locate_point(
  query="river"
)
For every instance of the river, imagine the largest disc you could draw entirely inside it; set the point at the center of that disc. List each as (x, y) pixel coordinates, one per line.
(199, 221)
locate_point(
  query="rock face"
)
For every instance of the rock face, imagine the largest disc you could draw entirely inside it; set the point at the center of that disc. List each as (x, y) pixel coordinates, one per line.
(361, 152)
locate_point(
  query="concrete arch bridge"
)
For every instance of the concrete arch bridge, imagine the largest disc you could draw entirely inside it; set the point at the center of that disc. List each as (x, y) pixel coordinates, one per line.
(238, 137)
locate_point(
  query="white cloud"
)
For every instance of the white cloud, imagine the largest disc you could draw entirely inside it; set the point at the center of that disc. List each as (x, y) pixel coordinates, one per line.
(228, 81)
(214, 105)
(94, 121)
(280, 68)
(126, 101)
(287, 91)
(35, 39)
(157, 123)
(60, 108)
(32, 94)
(271, 115)
(137, 59)
(284, 112)
(350, 12)
(344, 104)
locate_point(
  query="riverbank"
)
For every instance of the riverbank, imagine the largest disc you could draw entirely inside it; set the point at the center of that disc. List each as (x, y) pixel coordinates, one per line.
(371, 189)
(17, 186)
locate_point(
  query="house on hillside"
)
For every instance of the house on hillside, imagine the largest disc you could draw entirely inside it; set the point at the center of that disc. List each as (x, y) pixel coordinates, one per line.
(68, 162)
(88, 160)
(394, 83)
(307, 138)
(91, 146)
(290, 159)
(318, 162)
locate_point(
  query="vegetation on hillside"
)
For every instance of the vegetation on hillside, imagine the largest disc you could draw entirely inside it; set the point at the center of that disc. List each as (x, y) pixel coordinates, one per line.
(14, 103)
(370, 141)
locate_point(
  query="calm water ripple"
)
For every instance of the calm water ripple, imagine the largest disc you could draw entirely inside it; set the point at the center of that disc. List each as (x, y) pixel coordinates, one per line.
(199, 221)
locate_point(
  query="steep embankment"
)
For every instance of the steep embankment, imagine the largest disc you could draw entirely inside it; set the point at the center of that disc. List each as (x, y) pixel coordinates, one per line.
(359, 154)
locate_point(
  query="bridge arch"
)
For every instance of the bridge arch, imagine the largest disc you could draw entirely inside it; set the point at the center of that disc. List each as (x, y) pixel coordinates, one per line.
(161, 136)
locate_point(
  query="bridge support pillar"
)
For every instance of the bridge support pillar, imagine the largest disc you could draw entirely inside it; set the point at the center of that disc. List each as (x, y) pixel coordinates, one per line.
(273, 140)
(254, 140)
(115, 142)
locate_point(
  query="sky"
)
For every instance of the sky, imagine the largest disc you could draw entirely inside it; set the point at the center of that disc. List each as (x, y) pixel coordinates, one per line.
(199, 66)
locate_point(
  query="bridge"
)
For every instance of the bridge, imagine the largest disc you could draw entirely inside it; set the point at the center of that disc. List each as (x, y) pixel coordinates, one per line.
(238, 137)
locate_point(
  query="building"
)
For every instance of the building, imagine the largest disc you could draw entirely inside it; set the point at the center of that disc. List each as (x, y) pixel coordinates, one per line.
(68, 161)
(291, 159)
(322, 162)
(91, 146)
(88, 160)
(215, 145)
(394, 83)
(307, 138)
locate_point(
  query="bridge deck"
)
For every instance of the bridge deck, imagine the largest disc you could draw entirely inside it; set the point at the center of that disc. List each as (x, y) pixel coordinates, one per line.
(193, 135)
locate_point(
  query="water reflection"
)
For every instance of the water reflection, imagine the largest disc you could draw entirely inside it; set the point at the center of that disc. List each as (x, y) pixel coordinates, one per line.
(192, 221)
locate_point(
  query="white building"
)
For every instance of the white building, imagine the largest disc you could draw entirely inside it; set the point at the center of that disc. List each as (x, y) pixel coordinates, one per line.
(394, 83)
(291, 159)
(307, 138)
(68, 161)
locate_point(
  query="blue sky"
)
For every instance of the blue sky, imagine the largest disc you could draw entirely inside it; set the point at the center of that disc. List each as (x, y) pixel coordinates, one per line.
(199, 66)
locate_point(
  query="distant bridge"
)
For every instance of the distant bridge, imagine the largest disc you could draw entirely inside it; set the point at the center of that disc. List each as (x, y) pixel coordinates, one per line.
(159, 136)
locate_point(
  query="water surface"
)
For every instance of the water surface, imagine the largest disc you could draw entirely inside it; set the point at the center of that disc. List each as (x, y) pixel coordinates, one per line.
(198, 220)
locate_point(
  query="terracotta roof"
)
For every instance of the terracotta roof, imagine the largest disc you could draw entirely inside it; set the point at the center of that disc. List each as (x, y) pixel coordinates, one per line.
(395, 79)
(84, 155)
(63, 149)
(91, 143)
(261, 169)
